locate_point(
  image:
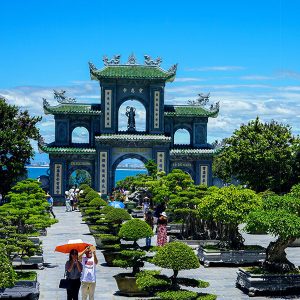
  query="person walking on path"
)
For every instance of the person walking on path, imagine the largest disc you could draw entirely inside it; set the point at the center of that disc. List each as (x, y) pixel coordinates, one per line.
(73, 270)
(149, 221)
(50, 202)
(88, 276)
(162, 236)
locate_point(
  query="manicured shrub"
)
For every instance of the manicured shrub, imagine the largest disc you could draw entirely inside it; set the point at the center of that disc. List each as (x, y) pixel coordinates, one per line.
(135, 229)
(97, 203)
(118, 215)
(7, 274)
(91, 195)
(176, 256)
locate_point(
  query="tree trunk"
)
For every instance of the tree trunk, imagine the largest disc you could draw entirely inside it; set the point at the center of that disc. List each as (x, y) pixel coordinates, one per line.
(276, 260)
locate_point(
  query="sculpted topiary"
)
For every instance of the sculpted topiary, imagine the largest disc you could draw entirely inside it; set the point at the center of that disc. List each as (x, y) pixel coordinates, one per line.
(97, 203)
(133, 230)
(175, 256)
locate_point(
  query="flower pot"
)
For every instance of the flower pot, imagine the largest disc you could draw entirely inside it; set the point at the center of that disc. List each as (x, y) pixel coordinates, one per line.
(127, 285)
(109, 257)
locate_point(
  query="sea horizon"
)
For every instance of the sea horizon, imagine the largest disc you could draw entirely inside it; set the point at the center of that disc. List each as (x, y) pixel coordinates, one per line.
(121, 173)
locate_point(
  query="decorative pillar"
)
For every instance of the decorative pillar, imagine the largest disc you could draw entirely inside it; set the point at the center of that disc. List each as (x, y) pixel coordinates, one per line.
(103, 172)
(204, 175)
(57, 184)
(160, 160)
(108, 108)
(156, 109)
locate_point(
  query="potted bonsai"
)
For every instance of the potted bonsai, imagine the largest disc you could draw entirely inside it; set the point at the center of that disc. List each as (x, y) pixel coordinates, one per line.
(280, 217)
(133, 257)
(229, 207)
(176, 256)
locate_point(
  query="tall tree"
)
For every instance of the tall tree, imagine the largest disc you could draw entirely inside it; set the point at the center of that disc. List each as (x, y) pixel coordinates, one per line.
(16, 130)
(261, 155)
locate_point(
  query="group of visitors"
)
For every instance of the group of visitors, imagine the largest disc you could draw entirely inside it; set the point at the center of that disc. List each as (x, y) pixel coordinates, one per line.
(71, 198)
(157, 220)
(81, 272)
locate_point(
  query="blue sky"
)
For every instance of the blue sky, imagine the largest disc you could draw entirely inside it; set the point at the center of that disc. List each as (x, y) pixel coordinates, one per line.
(245, 53)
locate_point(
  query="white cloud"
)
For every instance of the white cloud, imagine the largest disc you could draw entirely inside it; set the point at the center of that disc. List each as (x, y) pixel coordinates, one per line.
(188, 79)
(239, 103)
(216, 68)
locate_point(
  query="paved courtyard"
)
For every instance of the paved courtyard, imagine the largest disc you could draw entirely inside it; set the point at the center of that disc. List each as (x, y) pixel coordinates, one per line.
(70, 226)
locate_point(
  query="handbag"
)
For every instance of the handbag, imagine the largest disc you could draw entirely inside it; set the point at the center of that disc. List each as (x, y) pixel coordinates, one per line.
(64, 283)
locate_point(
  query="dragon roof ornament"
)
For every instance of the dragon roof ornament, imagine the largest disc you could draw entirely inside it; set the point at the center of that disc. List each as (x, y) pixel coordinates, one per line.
(61, 98)
(112, 62)
(152, 62)
(173, 69)
(203, 100)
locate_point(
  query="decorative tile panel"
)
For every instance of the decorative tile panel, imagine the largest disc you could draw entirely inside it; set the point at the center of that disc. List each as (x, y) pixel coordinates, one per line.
(204, 175)
(160, 160)
(57, 179)
(107, 111)
(156, 109)
(103, 172)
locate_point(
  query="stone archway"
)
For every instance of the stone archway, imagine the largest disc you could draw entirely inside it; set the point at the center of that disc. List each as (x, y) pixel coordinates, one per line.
(78, 175)
(122, 158)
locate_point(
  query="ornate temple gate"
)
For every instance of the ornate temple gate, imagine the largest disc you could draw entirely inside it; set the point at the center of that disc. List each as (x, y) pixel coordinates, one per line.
(107, 146)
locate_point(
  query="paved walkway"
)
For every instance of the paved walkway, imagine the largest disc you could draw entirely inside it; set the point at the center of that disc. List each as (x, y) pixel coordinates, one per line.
(70, 226)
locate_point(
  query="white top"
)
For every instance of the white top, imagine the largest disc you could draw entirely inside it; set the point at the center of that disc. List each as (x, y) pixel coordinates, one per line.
(88, 270)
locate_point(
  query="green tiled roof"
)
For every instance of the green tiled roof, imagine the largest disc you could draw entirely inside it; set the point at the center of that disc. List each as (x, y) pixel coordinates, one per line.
(133, 137)
(132, 72)
(189, 111)
(73, 108)
(192, 152)
(66, 150)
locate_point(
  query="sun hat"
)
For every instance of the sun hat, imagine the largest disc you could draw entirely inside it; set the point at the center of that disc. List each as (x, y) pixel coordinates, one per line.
(164, 214)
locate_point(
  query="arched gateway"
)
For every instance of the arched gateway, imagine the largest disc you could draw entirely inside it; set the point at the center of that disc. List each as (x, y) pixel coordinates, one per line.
(107, 146)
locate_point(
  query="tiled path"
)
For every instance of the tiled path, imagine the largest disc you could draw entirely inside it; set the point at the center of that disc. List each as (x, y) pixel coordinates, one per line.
(70, 226)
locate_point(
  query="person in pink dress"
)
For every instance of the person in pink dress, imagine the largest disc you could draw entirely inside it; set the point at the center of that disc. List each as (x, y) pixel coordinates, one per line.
(162, 237)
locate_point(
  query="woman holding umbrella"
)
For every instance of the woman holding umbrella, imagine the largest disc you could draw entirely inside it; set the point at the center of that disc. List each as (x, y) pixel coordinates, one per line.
(73, 271)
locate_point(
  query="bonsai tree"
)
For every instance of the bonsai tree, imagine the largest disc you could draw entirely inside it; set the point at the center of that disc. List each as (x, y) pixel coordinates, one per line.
(229, 207)
(8, 276)
(176, 256)
(279, 216)
(133, 230)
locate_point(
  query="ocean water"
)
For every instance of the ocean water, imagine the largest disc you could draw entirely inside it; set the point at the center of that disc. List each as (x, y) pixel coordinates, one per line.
(35, 172)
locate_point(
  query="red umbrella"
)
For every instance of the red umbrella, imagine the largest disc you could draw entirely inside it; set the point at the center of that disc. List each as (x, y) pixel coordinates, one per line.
(78, 245)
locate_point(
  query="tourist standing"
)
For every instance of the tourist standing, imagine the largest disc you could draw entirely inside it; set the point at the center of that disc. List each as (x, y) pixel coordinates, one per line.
(50, 202)
(149, 221)
(162, 236)
(145, 206)
(88, 276)
(73, 269)
(68, 203)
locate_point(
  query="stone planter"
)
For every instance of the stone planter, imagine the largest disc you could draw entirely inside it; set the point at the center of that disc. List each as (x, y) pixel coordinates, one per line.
(24, 289)
(130, 205)
(231, 257)
(277, 284)
(127, 285)
(109, 257)
(32, 262)
(137, 213)
(98, 241)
